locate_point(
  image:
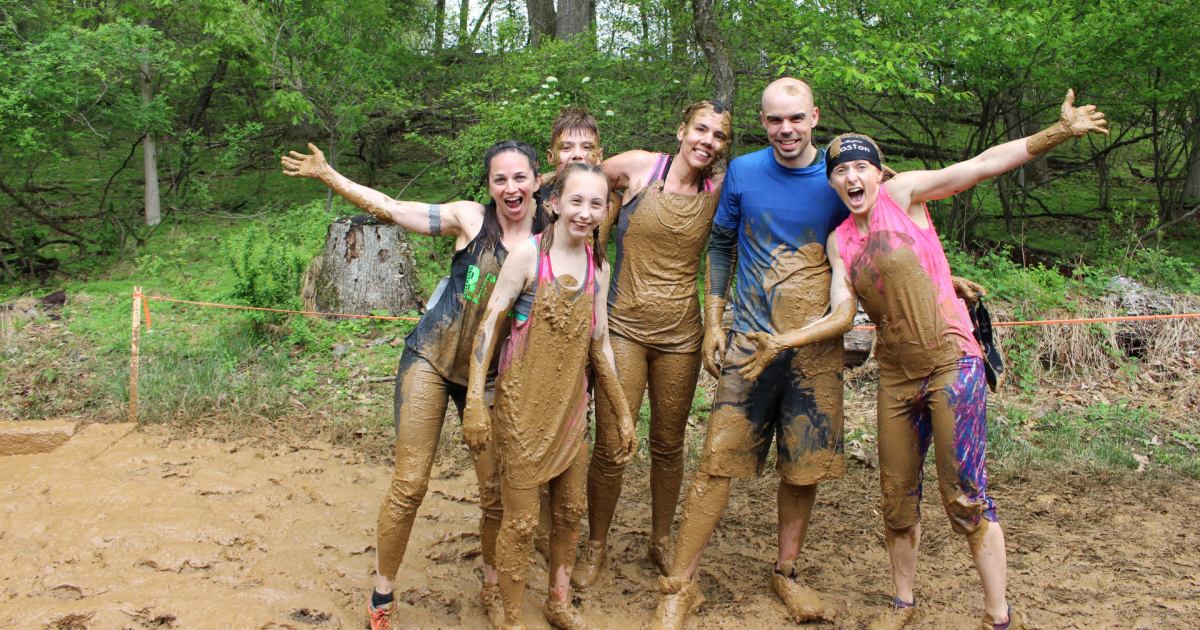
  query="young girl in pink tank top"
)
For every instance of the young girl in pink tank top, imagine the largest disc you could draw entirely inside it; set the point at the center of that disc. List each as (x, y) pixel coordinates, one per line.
(887, 256)
(552, 287)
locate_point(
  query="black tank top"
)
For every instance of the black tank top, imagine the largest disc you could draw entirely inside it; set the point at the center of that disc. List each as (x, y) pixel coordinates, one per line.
(446, 333)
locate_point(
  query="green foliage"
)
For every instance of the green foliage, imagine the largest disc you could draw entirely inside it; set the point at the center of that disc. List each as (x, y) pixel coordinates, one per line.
(1036, 286)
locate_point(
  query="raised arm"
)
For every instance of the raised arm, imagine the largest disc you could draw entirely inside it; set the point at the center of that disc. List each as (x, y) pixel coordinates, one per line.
(912, 188)
(628, 171)
(843, 303)
(604, 365)
(515, 275)
(459, 218)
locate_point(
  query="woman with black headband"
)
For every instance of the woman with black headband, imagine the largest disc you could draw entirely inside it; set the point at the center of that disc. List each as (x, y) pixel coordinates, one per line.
(436, 360)
(931, 373)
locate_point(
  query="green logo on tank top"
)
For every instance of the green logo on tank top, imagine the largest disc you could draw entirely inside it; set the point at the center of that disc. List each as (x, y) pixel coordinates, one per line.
(474, 290)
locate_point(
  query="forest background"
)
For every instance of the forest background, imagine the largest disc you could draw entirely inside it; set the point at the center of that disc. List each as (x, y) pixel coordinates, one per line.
(139, 145)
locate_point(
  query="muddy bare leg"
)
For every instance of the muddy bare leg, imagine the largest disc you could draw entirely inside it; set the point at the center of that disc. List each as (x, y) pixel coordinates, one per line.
(514, 545)
(567, 500)
(903, 544)
(604, 475)
(991, 559)
(488, 474)
(672, 386)
(795, 505)
(706, 502)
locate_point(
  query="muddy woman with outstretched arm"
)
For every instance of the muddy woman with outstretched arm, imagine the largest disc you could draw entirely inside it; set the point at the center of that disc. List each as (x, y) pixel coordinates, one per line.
(654, 314)
(931, 375)
(436, 359)
(551, 291)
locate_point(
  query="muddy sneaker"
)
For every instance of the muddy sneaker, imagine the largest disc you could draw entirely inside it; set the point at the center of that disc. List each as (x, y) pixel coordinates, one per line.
(680, 599)
(379, 618)
(661, 554)
(591, 561)
(1015, 622)
(563, 615)
(898, 616)
(493, 605)
(803, 603)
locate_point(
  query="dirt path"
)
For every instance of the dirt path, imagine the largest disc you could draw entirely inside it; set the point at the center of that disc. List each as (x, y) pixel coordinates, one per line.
(117, 529)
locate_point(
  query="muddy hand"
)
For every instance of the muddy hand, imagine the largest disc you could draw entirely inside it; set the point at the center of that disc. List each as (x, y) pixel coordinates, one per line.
(1080, 121)
(628, 442)
(476, 430)
(768, 347)
(968, 291)
(713, 350)
(300, 165)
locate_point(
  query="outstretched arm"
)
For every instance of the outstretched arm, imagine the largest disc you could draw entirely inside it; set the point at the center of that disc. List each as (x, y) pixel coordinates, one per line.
(840, 319)
(604, 364)
(915, 187)
(516, 273)
(459, 218)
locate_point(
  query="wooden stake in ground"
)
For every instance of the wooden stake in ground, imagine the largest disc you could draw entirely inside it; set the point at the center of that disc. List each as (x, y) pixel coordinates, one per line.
(133, 355)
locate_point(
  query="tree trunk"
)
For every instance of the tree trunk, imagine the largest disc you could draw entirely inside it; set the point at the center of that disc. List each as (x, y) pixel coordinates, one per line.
(366, 267)
(574, 18)
(541, 21)
(678, 29)
(464, 12)
(206, 94)
(439, 25)
(150, 155)
(716, 50)
(1191, 187)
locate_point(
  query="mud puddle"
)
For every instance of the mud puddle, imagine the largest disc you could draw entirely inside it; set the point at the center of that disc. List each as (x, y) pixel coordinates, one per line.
(117, 529)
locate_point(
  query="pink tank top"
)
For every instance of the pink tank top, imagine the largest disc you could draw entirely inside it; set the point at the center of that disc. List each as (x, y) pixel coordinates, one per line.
(902, 277)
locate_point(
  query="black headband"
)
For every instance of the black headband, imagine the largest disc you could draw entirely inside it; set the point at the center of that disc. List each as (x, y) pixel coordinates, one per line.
(848, 150)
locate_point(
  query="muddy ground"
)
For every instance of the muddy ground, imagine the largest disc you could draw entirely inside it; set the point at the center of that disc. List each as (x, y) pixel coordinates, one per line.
(126, 529)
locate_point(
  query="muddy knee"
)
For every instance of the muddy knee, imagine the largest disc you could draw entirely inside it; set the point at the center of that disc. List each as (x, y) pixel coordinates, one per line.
(966, 516)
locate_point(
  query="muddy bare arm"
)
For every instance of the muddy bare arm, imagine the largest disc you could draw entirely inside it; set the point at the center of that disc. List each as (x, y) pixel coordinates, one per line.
(455, 218)
(610, 220)
(914, 187)
(604, 365)
(514, 276)
(627, 171)
(843, 304)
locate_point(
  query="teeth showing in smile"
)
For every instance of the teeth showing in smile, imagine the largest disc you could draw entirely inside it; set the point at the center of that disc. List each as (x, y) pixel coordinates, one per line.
(512, 202)
(704, 154)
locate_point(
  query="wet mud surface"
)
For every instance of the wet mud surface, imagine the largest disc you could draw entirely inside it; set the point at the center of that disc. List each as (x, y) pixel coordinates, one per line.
(119, 529)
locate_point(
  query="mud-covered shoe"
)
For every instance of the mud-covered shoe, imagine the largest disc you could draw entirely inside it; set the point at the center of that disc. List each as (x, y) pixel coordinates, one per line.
(678, 602)
(661, 554)
(1015, 622)
(898, 616)
(593, 557)
(379, 618)
(803, 603)
(493, 605)
(563, 615)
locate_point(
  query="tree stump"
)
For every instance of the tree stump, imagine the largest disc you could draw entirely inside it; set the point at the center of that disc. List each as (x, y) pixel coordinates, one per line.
(366, 266)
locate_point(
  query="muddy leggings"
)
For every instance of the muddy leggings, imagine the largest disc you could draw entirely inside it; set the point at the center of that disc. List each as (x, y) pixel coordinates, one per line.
(421, 399)
(521, 506)
(948, 409)
(672, 378)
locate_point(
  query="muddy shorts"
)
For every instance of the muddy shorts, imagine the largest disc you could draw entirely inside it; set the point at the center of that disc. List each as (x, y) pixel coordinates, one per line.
(948, 409)
(797, 400)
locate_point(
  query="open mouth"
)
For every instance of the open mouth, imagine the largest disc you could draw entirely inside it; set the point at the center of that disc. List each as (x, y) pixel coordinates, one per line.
(514, 203)
(702, 154)
(856, 194)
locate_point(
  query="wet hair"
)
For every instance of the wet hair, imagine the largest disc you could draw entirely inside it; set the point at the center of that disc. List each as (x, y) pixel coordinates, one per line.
(690, 113)
(491, 232)
(834, 148)
(572, 118)
(560, 183)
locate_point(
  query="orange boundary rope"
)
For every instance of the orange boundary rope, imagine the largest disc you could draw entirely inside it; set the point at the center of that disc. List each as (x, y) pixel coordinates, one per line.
(1045, 322)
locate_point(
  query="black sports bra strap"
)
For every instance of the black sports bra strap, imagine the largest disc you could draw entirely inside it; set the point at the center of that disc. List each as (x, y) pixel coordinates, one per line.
(667, 169)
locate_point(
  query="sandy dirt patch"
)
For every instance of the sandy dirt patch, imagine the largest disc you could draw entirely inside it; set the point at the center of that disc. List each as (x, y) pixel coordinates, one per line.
(119, 529)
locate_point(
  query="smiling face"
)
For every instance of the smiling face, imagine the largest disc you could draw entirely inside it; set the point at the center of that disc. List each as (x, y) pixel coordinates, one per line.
(512, 180)
(581, 204)
(575, 145)
(789, 115)
(705, 138)
(857, 183)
